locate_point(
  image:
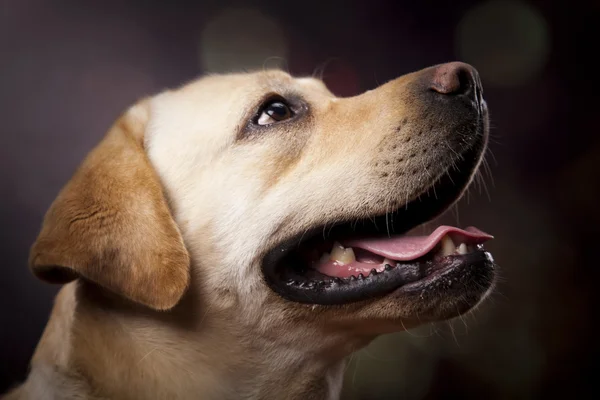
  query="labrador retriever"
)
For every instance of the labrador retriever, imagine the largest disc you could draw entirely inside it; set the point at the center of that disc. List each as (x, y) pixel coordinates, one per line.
(240, 236)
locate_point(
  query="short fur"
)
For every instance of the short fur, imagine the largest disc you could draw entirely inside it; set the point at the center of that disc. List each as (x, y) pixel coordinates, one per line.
(162, 230)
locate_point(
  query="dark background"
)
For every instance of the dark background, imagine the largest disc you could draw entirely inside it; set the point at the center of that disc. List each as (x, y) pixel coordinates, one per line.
(68, 68)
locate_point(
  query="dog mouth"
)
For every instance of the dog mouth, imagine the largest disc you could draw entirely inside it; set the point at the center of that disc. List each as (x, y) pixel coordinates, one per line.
(371, 258)
(360, 257)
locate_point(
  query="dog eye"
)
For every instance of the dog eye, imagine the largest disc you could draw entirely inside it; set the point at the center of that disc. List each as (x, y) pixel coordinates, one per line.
(274, 111)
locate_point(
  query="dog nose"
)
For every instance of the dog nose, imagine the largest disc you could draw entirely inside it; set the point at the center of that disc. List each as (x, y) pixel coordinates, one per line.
(456, 79)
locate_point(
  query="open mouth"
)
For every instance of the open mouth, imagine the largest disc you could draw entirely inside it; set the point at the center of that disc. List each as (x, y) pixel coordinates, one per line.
(359, 260)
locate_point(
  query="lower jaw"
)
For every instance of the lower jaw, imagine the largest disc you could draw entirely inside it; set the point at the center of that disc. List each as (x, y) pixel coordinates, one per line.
(444, 275)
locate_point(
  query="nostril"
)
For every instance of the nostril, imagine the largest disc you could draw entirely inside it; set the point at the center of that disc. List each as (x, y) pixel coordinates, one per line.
(454, 79)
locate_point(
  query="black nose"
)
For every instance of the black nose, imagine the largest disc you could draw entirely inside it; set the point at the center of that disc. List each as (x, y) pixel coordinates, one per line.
(456, 79)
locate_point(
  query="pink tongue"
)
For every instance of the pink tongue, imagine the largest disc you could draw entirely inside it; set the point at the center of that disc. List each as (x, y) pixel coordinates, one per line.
(407, 248)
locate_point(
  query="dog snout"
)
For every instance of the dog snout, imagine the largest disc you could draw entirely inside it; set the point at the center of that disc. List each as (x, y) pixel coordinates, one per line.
(456, 79)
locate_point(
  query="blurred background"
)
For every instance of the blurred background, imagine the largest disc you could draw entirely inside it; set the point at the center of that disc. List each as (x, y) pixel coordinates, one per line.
(68, 68)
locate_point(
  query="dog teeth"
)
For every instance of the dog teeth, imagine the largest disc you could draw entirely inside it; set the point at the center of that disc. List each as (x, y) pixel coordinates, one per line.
(448, 246)
(342, 255)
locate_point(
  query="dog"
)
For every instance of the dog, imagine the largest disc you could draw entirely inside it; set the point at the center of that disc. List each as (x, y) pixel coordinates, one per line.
(240, 236)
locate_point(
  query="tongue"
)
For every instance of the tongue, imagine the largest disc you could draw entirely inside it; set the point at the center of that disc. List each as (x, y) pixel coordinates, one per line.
(407, 248)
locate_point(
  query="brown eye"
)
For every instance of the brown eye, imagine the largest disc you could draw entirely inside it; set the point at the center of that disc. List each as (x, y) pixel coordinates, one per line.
(274, 111)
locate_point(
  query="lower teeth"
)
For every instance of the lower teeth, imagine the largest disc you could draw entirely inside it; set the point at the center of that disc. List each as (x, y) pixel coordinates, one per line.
(343, 256)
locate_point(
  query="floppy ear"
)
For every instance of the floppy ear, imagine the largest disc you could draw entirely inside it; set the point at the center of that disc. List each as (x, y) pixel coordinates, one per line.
(111, 224)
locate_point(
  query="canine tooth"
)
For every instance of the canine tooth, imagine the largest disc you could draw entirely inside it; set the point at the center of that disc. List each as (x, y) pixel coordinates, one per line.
(337, 251)
(349, 256)
(342, 255)
(448, 246)
(336, 245)
(462, 249)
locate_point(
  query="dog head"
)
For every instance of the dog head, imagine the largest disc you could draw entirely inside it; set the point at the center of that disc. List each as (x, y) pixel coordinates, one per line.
(267, 192)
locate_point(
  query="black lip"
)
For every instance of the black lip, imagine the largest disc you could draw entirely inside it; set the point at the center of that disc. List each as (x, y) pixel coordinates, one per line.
(456, 270)
(408, 278)
(449, 188)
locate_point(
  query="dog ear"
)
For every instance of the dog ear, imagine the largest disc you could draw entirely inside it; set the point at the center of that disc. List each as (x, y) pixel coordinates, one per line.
(111, 223)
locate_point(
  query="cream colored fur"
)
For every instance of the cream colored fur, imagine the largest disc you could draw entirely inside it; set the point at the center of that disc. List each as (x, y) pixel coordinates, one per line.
(220, 332)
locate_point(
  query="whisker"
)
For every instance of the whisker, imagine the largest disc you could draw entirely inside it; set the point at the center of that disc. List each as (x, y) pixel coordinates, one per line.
(319, 71)
(491, 153)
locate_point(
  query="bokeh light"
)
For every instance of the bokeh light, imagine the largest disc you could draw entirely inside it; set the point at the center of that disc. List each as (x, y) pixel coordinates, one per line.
(70, 68)
(242, 39)
(507, 40)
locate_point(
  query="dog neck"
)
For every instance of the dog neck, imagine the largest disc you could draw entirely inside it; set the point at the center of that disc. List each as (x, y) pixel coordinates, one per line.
(119, 352)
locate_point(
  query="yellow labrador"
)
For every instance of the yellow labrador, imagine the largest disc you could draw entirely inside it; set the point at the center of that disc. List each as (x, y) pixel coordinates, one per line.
(239, 237)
